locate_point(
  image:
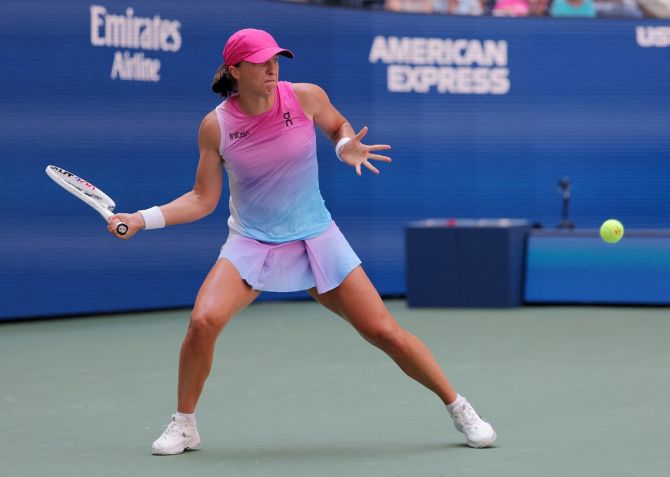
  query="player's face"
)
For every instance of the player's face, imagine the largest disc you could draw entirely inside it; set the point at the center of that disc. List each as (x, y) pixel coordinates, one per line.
(259, 78)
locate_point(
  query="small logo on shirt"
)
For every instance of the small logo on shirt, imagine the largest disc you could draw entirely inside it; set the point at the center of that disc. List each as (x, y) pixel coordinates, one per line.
(238, 134)
(287, 119)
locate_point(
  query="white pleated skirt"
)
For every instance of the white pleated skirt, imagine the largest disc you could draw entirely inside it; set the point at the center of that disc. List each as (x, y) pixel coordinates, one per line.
(323, 261)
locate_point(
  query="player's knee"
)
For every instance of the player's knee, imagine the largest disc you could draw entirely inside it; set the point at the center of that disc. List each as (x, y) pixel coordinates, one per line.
(388, 338)
(205, 325)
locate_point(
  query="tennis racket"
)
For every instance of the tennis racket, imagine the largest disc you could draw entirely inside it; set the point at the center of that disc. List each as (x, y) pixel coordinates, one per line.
(86, 192)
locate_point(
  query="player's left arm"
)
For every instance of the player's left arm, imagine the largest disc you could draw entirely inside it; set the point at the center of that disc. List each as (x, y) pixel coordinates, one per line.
(317, 106)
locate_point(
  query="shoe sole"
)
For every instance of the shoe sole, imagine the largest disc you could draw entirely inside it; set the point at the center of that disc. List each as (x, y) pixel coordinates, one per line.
(176, 451)
(481, 445)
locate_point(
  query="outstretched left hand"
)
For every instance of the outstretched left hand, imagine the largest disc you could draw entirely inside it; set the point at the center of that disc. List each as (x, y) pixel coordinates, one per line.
(357, 154)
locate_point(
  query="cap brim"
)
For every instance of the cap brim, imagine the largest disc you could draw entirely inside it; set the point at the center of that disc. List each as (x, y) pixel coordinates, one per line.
(261, 56)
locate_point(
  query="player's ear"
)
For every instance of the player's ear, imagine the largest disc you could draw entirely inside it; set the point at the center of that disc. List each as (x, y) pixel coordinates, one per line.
(234, 72)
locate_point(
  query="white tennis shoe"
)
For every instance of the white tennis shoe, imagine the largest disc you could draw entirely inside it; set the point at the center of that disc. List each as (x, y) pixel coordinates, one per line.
(177, 437)
(478, 432)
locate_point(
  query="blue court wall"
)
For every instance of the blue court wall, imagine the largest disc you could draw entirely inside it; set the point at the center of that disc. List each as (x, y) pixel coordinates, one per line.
(485, 115)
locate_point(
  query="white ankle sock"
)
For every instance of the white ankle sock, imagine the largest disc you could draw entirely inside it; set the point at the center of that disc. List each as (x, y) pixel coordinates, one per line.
(459, 400)
(190, 417)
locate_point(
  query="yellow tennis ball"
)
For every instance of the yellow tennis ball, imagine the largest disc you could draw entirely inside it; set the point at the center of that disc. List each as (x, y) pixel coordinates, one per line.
(611, 231)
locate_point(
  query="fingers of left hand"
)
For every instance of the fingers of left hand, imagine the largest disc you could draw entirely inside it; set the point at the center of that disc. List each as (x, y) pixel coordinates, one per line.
(371, 167)
(378, 147)
(378, 157)
(361, 134)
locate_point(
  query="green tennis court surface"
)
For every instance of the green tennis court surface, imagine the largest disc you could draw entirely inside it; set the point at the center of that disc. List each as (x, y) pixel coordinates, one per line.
(296, 392)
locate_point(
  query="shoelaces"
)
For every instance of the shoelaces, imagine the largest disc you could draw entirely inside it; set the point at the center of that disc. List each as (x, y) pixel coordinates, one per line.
(174, 428)
(466, 417)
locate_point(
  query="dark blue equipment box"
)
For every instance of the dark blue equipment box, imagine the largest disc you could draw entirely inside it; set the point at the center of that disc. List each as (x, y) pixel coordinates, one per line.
(466, 262)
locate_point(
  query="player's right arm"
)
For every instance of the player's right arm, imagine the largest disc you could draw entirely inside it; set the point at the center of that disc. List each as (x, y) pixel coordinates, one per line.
(203, 198)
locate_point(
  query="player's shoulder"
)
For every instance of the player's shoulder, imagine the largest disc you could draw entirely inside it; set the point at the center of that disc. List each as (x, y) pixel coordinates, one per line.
(210, 118)
(312, 97)
(209, 128)
(307, 89)
(210, 121)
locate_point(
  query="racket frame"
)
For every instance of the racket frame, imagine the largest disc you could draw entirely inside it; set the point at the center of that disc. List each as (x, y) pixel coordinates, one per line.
(106, 211)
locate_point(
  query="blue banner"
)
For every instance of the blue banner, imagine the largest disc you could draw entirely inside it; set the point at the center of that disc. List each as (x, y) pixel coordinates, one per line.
(484, 114)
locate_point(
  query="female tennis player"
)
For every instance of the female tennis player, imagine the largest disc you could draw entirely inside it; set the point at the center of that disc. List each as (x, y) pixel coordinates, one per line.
(282, 237)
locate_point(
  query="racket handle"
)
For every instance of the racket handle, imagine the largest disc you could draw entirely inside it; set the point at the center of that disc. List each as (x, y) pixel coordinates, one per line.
(121, 228)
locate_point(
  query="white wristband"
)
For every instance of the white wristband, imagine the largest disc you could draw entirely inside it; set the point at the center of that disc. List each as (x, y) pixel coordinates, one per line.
(153, 218)
(340, 144)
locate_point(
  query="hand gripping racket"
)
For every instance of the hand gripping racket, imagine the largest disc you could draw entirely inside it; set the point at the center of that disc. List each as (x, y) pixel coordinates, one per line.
(87, 192)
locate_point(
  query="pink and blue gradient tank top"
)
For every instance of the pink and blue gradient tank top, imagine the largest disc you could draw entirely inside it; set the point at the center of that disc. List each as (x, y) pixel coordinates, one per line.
(272, 170)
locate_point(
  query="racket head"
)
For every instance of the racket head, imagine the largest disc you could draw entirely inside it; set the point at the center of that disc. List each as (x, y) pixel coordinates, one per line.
(81, 188)
(87, 192)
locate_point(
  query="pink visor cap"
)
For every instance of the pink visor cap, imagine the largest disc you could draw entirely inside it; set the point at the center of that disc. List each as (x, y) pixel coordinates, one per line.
(254, 46)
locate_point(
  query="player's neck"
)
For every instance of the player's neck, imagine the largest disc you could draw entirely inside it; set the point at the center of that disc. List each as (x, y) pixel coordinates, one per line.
(255, 104)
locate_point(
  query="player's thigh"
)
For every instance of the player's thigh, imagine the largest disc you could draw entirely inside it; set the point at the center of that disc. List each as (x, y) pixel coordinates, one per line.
(358, 301)
(327, 300)
(222, 295)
